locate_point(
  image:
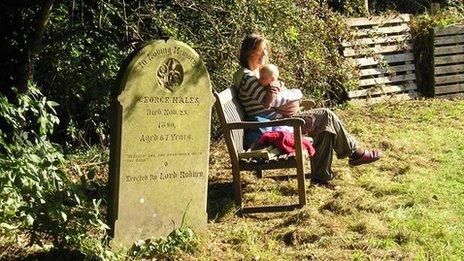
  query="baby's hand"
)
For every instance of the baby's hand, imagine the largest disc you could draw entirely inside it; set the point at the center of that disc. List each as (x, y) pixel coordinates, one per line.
(276, 85)
(274, 89)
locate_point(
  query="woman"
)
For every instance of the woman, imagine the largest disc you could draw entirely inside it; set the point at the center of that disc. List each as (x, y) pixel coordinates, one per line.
(321, 124)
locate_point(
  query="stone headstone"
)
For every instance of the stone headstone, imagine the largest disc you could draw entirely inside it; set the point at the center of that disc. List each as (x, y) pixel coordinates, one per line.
(160, 143)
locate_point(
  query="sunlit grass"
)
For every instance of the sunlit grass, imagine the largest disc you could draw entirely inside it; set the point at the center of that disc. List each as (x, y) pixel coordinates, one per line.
(409, 205)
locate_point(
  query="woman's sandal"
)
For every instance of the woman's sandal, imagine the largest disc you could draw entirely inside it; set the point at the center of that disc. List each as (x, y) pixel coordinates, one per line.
(367, 157)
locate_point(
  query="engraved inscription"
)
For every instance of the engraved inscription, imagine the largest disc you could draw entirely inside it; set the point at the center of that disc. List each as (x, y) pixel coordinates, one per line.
(165, 137)
(162, 176)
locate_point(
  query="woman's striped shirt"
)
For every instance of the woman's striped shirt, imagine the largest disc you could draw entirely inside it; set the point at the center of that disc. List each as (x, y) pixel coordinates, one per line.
(252, 95)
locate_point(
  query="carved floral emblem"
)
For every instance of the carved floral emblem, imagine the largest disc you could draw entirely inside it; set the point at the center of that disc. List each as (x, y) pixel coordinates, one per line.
(170, 74)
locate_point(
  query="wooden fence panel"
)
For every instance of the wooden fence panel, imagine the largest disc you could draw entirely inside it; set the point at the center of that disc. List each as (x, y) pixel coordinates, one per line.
(382, 52)
(449, 61)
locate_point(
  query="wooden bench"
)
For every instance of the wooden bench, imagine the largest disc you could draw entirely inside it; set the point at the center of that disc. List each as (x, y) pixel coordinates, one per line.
(232, 117)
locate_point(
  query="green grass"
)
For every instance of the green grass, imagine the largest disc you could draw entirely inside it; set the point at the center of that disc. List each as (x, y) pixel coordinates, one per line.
(409, 205)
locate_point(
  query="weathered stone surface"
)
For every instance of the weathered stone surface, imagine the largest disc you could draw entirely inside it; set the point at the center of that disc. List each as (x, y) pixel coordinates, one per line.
(160, 144)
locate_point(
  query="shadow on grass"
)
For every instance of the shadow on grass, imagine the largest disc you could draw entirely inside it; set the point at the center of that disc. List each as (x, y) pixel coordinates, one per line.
(95, 190)
(220, 200)
(55, 254)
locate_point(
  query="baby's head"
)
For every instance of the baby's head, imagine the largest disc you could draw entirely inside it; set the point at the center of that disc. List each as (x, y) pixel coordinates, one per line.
(267, 74)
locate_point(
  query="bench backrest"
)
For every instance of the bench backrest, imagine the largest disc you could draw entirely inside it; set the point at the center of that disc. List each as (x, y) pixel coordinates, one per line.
(230, 110)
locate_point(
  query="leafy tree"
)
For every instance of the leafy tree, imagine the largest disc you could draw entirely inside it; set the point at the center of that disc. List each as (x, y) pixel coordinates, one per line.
(76, 55)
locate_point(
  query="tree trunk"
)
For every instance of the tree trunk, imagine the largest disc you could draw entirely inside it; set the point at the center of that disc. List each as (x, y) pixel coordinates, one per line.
(21, 43)
(36, 43)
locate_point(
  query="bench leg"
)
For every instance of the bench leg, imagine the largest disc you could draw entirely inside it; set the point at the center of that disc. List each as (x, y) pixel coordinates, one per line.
(259, 173)
(301, 186)
(237, 184)
(300, 168)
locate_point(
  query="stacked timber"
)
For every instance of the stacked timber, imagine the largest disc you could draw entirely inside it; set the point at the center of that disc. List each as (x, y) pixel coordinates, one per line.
(382, 53)
(449, 61)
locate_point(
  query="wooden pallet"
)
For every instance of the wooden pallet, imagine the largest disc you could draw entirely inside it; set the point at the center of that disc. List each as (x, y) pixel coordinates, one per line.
(449, 61)
(382, 52)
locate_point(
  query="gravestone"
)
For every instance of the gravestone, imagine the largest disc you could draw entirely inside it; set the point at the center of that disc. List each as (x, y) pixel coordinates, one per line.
(160, 143)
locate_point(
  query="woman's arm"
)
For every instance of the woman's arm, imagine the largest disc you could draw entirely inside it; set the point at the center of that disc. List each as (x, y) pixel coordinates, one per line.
(252, 89)
(255, 98)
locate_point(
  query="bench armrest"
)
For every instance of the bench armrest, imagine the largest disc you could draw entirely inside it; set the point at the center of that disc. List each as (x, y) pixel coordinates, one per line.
(294, 122)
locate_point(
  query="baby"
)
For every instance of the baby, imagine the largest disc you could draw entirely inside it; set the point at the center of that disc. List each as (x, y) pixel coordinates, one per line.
(287, 101)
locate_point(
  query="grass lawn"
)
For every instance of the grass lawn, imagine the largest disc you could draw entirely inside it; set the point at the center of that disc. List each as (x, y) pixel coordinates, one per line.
(409, 205)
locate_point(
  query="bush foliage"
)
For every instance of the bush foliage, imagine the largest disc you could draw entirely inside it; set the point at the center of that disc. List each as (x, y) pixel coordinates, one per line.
(182, 239)
(79, 72)
(85, 42)
(37, 196)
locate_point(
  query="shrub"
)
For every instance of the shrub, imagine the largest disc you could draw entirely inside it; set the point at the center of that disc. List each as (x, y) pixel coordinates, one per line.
(37, 198)
(180, 239)
(80, 71)
(86, 41)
